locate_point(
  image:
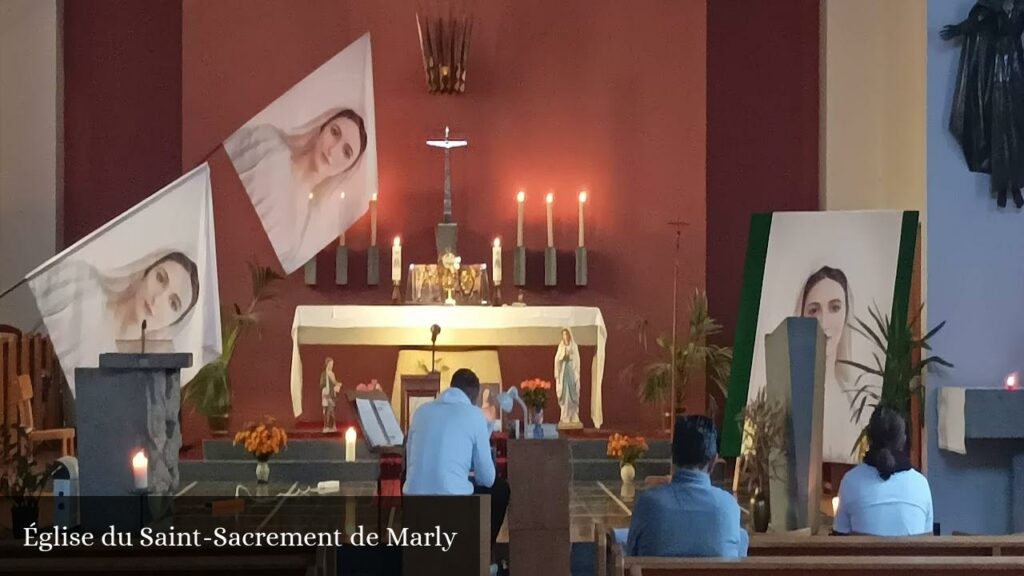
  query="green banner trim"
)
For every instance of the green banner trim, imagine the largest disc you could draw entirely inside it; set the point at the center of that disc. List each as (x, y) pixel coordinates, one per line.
(746, 333)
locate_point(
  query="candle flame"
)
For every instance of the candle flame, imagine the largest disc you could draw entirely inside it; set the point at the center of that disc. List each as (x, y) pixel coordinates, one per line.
(1012, 380)
(521, 196)
(310, 195)
(398, 240)
(374, 197)
(140, 460)
(342, 194)
(497, 242)
(549, 198)
(835, 505)
(350, 434)
(583, 196)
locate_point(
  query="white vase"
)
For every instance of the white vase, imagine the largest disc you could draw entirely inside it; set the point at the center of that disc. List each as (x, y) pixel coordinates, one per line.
(628, 473)
(262, 471)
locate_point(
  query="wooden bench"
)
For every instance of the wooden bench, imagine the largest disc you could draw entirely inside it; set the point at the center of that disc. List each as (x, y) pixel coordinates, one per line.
(824, 566)
(611, 560)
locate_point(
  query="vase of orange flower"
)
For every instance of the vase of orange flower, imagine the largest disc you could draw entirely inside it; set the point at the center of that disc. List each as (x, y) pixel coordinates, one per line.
(627, 449)
(534, 394)
(262, 439)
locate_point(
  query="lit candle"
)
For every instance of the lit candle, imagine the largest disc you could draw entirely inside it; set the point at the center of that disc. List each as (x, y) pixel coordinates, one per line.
(350, 444)
(520, 200)
(550, 199)
(835, 506)
(1012, 381)
(140, 470)
(496, 261)
(373, 219)
(396, 260)
(341, 237)
(583, 200)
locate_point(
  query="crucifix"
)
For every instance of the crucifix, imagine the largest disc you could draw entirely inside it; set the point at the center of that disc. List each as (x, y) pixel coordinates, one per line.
(447, 231)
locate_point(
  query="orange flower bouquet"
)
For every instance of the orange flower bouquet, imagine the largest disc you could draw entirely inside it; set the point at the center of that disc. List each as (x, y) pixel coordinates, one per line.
(262, 439)
(534, 393)
(627, 449)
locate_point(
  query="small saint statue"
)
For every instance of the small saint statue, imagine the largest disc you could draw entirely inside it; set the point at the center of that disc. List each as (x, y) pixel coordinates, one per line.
(329, 389)
(567, 380)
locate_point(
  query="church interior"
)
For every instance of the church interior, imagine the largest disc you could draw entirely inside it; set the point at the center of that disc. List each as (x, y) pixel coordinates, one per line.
(326, 286)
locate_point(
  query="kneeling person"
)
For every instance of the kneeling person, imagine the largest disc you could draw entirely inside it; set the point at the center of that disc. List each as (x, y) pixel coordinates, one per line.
(689, 516)
(449, 437)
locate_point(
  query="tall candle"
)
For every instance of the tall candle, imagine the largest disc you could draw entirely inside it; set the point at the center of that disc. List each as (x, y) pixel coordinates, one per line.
(140, 470)
(583, 200)
(396, 260)
(350, 444)
(496, 261)
(520, 200)
(373, 220)
(550, 199)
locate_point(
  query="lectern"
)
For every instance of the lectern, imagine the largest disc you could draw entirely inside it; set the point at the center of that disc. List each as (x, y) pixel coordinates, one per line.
(130, 402)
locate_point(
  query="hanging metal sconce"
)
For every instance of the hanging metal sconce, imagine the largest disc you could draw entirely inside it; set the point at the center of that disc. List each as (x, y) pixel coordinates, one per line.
(444, 43)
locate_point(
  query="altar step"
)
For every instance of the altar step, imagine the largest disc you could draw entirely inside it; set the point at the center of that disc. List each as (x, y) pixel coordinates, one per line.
(312, 460)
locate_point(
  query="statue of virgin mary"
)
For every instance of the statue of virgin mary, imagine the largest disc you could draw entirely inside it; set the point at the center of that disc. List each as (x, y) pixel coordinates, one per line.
(567, 380)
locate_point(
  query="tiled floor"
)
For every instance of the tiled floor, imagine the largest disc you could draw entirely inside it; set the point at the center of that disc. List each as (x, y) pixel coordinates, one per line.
(591, 503)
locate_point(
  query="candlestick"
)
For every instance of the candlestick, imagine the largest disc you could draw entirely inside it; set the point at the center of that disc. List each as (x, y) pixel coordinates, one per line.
(583, 200)
(373, 220)
(396, 260)
(520, 200)
(550, 200)
(341, 236)
(350, 444)
(140, 470)
(496, 261)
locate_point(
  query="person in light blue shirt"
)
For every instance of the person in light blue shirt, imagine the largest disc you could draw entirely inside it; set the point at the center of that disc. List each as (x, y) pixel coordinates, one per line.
(447, 439)
(689, 516)
(884, 496)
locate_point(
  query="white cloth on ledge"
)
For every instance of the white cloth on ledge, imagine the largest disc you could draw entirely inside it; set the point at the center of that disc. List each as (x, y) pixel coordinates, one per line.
(460, 326)
(952, 401)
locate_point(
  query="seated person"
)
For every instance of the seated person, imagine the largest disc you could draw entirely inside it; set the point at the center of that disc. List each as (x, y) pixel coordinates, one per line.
(449, 437)
(884, 496)
(689, 516)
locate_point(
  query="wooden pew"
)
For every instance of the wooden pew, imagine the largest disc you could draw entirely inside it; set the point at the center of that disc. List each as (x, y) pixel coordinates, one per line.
(610, 554)
(825, 566)
(31, 355)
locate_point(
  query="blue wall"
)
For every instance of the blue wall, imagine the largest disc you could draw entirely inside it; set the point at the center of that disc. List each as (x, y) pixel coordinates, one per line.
(976, 284)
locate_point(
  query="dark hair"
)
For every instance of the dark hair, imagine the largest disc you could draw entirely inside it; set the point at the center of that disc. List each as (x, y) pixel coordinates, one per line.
(887, 440)
(466, 380)
(358, 121)
(826, 272)
(193, 274)
(695, 443)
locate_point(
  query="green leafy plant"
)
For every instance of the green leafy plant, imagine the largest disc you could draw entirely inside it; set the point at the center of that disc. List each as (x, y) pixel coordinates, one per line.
(691, 356)
(209, 391)
(895, 349)
(764, 425)
(22, 478)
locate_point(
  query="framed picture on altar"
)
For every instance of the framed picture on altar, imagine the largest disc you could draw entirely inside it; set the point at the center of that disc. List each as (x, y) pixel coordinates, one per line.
(488, 402)
(417, 390)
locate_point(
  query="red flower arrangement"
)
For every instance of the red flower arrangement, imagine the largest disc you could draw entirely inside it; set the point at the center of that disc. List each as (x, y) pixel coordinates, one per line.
(534, 393)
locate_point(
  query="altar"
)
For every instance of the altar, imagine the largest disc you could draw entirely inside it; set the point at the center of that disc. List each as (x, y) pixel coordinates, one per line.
(461, 326)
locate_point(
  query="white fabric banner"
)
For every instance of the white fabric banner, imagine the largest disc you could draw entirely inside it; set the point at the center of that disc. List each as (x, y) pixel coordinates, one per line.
(309, 160)
(156, 263)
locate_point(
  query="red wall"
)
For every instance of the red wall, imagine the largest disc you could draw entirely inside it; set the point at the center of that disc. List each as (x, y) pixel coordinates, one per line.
(561, 95)
(762, 129)
(122, 107)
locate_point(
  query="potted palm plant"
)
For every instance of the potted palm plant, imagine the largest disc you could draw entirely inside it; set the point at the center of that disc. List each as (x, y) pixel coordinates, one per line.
(764, 425)
(209, 391)
(690, 357)
(898, 362)
(22, 478)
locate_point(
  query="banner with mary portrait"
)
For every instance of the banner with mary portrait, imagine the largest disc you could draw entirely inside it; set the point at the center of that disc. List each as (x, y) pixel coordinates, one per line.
(308, 161)
(155, 264)
(833, 266)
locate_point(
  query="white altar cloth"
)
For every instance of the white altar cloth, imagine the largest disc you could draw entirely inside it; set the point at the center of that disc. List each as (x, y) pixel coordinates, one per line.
(460, 326)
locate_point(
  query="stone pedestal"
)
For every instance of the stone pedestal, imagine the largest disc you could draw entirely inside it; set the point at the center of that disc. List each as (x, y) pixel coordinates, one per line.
(130, 402)
(795, 362)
